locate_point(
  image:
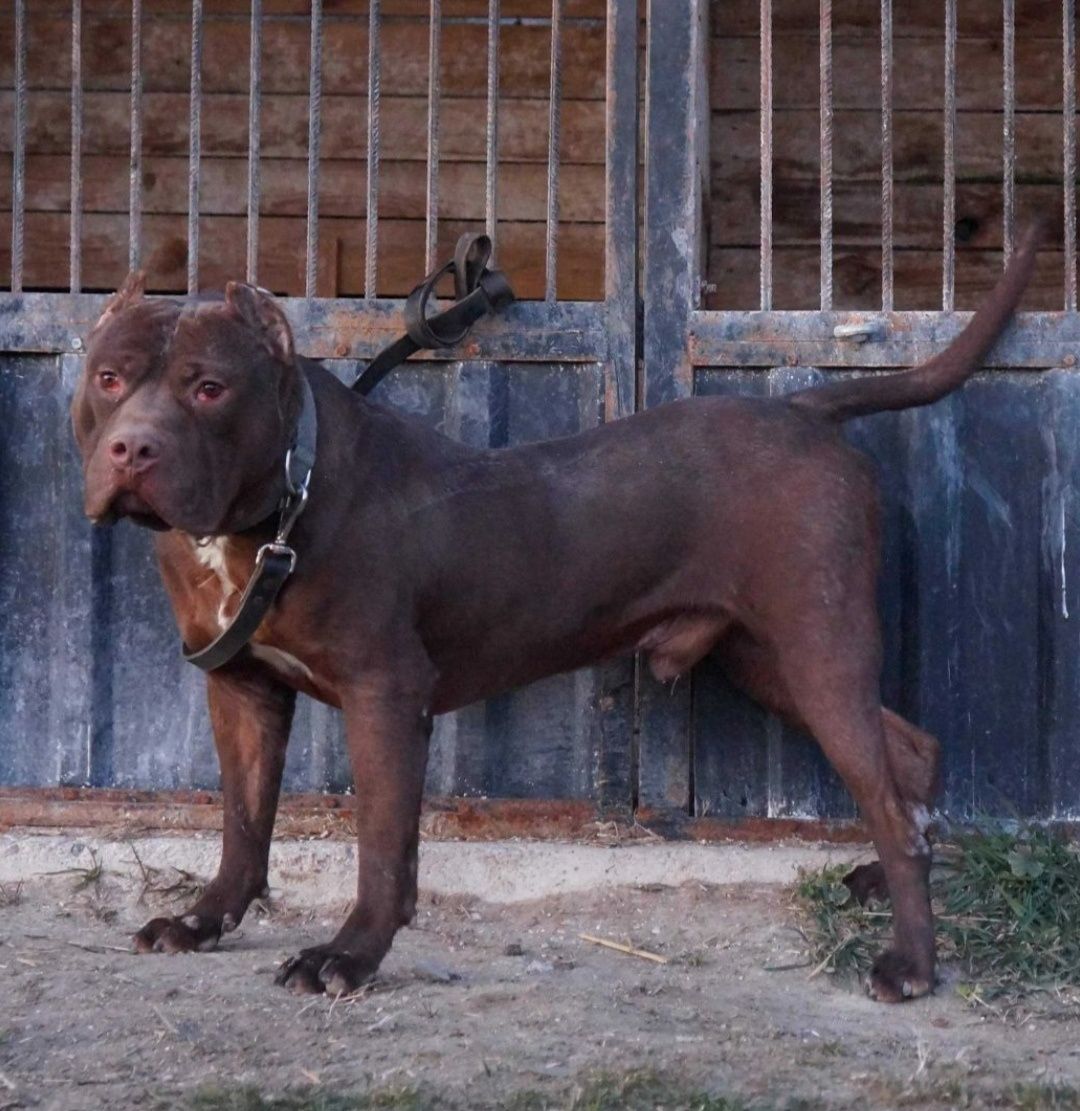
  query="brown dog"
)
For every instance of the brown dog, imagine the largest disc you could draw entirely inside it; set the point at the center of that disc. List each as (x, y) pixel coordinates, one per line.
(431, 575)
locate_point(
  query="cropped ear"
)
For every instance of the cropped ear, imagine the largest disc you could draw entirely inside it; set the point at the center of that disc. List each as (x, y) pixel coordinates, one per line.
(130, 293)
(261, 313)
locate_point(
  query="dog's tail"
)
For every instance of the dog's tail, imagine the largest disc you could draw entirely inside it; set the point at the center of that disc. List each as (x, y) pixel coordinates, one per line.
(843, 399)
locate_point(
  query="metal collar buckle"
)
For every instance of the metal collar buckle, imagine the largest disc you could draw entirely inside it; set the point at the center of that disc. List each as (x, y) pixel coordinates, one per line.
(276, 547)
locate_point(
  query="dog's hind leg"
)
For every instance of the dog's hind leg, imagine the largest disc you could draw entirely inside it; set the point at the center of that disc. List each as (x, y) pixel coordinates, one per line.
(828, 664)
(914, 758)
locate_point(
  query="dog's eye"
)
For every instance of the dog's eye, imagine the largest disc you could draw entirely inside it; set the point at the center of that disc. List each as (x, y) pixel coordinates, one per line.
(109, 380)
(209, 391)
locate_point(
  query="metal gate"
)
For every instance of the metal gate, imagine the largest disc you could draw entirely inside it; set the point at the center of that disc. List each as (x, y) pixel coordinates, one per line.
(979, 599)
(92, 689)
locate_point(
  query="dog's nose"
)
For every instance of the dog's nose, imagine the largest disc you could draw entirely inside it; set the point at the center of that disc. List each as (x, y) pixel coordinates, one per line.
(133, 450)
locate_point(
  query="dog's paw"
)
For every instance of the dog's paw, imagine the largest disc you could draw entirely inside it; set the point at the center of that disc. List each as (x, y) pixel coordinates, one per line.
(323, 969)
(186, 933)
(895, 978)
(866, 882)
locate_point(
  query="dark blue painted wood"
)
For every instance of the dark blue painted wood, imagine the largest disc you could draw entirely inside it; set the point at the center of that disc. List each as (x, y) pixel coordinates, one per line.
(1059, 601)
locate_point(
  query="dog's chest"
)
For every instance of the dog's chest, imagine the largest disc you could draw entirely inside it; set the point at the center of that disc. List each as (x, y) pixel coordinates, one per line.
(224, 572)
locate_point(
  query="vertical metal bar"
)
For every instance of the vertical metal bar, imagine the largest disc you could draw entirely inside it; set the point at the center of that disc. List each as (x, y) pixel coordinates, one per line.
(886, 156)
(766, 155)
(311, 254)
(371, 245)
(826, 99)
(254, 138)
(948, 220)
(194, 145)
(135, 160)
(18, 159)
(431, 229)
(1008, 136)
(554, 129)
(75, 223)
(621, 209)
(1068, 16)
(492, 173)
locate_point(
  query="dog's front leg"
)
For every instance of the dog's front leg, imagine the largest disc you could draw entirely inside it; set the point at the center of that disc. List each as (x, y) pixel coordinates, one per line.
(388, 726)
(251, 715)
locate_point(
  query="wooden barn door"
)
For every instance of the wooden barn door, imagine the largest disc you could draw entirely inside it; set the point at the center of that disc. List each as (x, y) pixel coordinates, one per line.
(743, 288)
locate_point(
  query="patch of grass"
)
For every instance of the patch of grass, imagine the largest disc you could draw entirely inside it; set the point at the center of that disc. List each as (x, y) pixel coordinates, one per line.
(183, 886)
(250, 1099)
(641, 1090)
(84, 877)
(1007, 907)
(644, 1091)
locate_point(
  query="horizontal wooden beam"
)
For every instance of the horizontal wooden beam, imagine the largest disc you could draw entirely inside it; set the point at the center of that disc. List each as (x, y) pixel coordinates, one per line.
(897, 339)
(337, 328)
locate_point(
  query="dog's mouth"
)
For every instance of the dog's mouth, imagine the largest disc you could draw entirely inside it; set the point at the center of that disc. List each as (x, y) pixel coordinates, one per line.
(136, 509)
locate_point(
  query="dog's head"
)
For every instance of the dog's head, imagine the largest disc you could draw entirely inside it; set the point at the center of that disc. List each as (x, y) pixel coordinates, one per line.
(183, 417)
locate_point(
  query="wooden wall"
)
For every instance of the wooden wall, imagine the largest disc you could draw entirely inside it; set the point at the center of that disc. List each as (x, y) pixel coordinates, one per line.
(918, 77)
(733, 209)
(523, 137)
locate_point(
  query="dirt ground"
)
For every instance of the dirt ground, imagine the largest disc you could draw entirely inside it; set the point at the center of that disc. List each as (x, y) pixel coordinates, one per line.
(481, 1005)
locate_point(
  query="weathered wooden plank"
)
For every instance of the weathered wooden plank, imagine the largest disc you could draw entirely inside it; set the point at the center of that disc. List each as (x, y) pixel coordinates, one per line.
(46, 697)
(522, 126)
(900, 339)
(524, 50)
(283, 188)
(856, 17)
(733, 278)
(1059, 603)
(917, 150)
(857, 207)
(281, 253)
(1002, 454)
(917, 72)
(670, 291)
(351, 9)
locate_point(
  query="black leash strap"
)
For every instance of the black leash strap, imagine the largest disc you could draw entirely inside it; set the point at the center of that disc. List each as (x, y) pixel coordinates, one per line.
(275, 561)
(478, 290)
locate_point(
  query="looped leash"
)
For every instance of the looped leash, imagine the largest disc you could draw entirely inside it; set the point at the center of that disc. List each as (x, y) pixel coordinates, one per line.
(479, 291)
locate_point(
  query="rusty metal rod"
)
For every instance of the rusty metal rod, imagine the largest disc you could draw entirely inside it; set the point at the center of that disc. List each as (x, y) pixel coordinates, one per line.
(194, 145)
(135, 157)
(18, 155)
(1068, 16)
(887, 277)
(766, 155)
(431, 226)
(948, 219)
(551, 237)
(492, 129)
(826, 137)
(1008, 136)
(371, 238)
(254, 138)
(76, 199)
(311, 253)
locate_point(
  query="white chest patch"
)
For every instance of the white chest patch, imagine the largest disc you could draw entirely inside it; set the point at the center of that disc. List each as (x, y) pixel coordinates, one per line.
(286, 665)
(212, 554)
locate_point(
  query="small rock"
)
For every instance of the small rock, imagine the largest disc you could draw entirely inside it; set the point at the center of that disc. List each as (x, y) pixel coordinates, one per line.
(539, 967)
(436, 973)
(514, 949)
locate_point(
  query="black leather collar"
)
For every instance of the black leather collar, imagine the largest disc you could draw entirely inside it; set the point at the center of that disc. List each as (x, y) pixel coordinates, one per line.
(275, 560)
